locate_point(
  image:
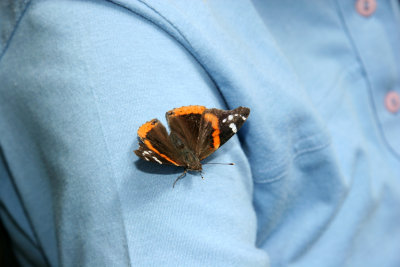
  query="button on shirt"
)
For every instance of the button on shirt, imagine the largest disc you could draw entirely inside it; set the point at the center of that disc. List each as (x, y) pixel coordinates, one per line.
(316, 180)
(392, 101)
(366, 7)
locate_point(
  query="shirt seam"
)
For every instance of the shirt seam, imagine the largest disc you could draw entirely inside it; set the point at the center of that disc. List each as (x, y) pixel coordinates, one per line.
(7, 44)
(182, 40)
(112, 170)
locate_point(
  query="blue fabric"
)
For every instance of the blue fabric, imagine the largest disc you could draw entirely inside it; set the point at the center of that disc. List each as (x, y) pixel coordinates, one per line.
(317, 174)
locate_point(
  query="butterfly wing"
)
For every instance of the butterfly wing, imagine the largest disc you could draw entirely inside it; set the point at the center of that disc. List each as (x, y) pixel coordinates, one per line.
(184, 123)
(155, 144)
(193, 128)
(218, 126)
(147, 154)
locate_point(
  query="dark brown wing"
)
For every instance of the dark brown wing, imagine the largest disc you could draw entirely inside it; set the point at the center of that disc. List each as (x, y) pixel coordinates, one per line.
(147, 154)
(184, 123)
(155, 144)
(217, 127)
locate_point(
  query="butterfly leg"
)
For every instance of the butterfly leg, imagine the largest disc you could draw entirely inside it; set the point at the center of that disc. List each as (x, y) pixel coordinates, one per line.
(180, 177)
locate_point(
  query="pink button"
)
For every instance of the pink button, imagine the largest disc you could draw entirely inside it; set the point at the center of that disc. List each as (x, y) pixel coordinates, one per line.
(366, 7)
(392, 101)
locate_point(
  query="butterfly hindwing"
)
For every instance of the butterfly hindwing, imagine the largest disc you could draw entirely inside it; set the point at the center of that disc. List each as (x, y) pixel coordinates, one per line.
(196, 132)
(149, 155)
(155, 144)
(217, 127)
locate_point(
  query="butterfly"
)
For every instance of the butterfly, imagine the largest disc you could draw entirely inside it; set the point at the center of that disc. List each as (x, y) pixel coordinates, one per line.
(195, 133)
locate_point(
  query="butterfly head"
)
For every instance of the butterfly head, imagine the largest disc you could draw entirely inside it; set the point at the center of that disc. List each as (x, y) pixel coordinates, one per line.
(193, 163)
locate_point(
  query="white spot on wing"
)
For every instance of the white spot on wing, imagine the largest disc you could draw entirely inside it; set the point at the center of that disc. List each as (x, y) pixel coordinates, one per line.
(243, 118)
(224, 120)
(233, 127)
(146, 158)
(156, 159)
(230, 117)
(236, 115)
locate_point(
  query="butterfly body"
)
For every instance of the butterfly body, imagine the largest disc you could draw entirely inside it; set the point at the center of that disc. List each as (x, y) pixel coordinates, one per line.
(195, 133)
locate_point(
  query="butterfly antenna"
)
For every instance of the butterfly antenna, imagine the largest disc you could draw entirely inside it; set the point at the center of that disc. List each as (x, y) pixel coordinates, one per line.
(201, 174)
(179, 177)
(219, 163)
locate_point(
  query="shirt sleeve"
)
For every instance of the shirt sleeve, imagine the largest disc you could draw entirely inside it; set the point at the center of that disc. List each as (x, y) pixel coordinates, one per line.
(78, 79)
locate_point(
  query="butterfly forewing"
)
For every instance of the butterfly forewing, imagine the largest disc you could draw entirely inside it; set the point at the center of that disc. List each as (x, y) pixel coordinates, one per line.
(155, 144)
(217, 127)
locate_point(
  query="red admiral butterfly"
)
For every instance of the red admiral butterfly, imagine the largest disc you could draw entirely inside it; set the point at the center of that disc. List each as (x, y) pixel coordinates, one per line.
(196, 132)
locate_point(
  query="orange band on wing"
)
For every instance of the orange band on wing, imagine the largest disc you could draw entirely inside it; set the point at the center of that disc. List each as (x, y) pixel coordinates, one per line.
(142, 133)
(147, 143)
(188, 110)
(145, 128)
(214, 124)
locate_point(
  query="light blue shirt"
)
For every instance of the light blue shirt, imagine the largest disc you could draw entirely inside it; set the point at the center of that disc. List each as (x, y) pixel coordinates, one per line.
(316, 180)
